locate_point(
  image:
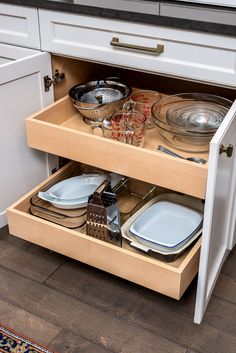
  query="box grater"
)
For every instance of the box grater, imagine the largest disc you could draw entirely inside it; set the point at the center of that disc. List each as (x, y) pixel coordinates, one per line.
(103, 219)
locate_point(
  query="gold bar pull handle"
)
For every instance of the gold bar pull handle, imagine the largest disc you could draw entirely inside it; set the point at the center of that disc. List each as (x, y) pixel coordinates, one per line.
(156, 50)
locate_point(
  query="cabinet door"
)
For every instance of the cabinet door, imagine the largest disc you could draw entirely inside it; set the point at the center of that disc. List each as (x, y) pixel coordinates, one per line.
(219, 215)
(21, 94)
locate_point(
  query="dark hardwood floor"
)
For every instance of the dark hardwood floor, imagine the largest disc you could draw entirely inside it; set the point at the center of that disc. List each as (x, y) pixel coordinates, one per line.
(74, 308)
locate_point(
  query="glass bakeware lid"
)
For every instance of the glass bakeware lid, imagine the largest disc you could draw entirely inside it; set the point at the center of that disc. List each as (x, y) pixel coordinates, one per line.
(166, 225)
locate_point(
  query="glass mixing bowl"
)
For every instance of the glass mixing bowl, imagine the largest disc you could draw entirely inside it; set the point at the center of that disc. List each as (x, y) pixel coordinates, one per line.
(188, 121)
(197, 112)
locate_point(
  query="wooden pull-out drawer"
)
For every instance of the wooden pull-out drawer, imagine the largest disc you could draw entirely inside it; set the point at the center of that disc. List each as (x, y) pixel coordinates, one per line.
(60, 130)
(168, 278)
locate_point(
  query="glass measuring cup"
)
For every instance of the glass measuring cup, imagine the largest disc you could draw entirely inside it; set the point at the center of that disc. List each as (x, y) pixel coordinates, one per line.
(142, 101)
(125, 126)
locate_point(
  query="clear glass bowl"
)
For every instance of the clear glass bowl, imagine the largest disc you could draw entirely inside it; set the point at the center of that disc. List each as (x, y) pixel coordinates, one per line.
(188, 121)
(189, 143)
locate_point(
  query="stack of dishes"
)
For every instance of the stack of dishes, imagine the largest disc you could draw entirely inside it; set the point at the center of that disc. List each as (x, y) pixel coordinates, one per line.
(65, 203)
(73, 192)
(164, 227)
(188, 121)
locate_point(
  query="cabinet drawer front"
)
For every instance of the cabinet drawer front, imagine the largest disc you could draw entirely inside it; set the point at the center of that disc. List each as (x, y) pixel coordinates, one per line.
(60, 130)
(193, 12)
(168, 278)
(173, 52)
(19, 26)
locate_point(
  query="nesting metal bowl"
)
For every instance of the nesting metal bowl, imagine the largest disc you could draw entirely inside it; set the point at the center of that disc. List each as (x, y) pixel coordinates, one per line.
(99, 99)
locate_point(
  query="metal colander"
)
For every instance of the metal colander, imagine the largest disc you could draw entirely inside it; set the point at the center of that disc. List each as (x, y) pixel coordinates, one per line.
(97, 100)
(102, 95)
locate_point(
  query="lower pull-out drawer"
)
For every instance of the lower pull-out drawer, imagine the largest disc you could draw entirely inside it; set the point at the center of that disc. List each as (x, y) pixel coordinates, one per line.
(167, 278)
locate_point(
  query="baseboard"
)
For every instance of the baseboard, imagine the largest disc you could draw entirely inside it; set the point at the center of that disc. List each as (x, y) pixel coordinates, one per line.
(3, 219)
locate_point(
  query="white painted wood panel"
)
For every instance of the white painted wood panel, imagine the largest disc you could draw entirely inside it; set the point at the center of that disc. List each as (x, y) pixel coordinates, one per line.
(229, 3)
(149, 7)
(10, 53)
(191, 55)
(21, 94)
(19, 26)
(201, 13)
(219, 215)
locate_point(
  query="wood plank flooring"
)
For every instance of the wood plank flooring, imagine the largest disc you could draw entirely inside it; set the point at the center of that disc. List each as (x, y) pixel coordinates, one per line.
(74, 308)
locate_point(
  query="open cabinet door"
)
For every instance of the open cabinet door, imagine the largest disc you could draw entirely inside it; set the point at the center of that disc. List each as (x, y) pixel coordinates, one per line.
(21, 94)
(232, 230)
(219, 214)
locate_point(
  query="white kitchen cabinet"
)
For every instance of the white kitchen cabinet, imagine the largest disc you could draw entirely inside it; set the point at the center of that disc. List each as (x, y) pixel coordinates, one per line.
(59, 129)
(162, 50)
(21, 94)
(19, 26)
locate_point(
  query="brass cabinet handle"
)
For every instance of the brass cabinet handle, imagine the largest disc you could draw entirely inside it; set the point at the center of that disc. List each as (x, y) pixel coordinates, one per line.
(157, 50)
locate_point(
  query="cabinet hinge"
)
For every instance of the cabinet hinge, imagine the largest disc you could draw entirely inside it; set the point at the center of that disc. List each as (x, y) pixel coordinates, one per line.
(228, 150)
(57, 77)
(54, 170)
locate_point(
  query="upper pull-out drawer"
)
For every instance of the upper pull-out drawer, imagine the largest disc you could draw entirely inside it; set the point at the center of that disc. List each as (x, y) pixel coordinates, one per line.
(19, 26)
(60, 130)
(195, 56)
